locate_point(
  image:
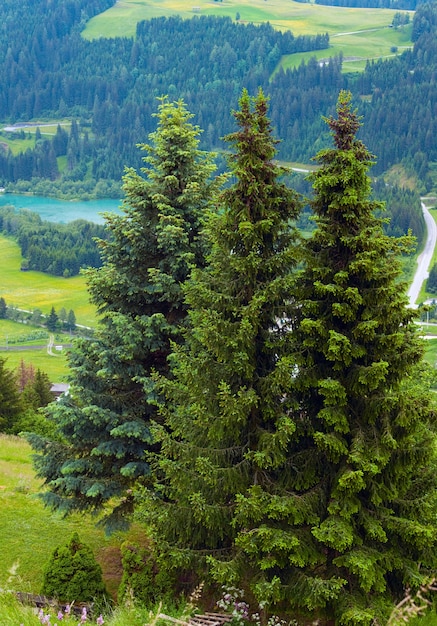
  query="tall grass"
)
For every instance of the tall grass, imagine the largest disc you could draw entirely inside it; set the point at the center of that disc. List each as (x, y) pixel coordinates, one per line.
(12, 613)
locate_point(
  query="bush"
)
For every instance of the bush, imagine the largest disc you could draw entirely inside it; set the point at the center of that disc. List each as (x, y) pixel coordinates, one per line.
(137, 579)
(73, 574)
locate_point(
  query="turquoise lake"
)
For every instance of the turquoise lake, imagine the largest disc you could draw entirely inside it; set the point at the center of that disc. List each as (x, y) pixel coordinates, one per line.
(62, 211)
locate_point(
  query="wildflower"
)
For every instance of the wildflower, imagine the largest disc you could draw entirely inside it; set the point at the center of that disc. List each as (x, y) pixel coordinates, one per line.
(60, 615)
(83, 616)
(100, 620)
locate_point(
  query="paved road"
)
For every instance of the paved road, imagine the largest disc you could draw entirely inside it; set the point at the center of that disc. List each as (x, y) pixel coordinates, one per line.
(424, 259)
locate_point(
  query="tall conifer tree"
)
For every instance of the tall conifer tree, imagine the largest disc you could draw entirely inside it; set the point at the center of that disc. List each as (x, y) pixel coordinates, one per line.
(366, 448)
(104, 422)
(301, 457)
(10, 400)
(226, 416)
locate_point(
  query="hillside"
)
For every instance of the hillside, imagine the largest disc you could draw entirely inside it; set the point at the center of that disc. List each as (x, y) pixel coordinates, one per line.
(110, 85)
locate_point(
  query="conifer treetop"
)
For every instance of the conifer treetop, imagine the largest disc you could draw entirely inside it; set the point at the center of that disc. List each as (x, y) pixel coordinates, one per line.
(347, 123)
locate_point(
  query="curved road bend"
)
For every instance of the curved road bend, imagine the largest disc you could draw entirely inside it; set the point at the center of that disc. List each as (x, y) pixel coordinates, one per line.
(424, 259)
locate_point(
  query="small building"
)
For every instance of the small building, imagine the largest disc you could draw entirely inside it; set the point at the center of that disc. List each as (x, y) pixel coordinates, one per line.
(58, 389)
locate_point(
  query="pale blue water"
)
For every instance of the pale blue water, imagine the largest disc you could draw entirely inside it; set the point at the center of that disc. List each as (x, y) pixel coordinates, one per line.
(64, 211)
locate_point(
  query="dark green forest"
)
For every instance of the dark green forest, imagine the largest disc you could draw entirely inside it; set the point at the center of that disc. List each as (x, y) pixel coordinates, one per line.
(59, 249)
(253, 399)
(109, 87)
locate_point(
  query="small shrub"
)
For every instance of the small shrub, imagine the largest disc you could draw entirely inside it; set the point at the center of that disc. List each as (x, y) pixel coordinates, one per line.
(73, 574)
(137, 582)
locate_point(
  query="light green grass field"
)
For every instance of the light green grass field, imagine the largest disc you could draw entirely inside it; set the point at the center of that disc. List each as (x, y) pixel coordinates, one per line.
(357, 48)
(17, 145)
(30, 532)
(36, 290)
(362, 33)
(55, 366)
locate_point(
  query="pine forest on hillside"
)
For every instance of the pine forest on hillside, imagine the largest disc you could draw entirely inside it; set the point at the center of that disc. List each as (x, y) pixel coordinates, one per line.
(255, 400)
(109, 88)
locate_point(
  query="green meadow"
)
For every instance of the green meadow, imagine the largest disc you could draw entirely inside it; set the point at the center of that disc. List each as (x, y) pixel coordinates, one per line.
(360, 34)
(30, 532)
(36, 290)
(55, 366)
(16, 143)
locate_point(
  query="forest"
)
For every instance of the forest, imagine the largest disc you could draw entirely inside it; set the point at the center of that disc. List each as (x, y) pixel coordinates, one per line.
(59, 249)
(253, 399)
(109, 87)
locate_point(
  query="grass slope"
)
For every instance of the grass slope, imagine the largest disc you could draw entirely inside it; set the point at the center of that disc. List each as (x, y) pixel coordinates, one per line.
(362, 33)
(36, 290)
(14, 348)
(30, 532)
(55, 366)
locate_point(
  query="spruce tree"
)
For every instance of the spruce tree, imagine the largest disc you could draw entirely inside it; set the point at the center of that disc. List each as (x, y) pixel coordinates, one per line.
(363, 470)
(226, 416)
(10, 400)
(52, 320)
(71, 321)
(104, 422)
(72, 574)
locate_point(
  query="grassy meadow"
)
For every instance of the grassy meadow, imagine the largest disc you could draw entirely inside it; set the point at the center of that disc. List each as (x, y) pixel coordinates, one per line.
(55, 366)
(30, 532)
(17, 144)
(360, 34)
(36, 290)
(14, 347)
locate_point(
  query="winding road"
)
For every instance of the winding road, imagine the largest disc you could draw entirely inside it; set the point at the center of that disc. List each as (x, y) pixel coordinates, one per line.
(424, 259)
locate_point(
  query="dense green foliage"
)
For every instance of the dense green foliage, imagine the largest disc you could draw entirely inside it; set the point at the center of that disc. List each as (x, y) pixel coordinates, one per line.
(137, 583)
(364, 457)
(298, 451)
(226, 409)
(431, 283)
(72, 574)
(59, 249)
(110, 87)
(10, 401)
(22, 393)
(403, 209)
(104, 422)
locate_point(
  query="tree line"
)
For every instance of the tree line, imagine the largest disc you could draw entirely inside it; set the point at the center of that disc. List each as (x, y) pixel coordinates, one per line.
(53, 321)
(110, 86)
(24, 391)
(58, 249)
(401, 5)
(255, 399)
